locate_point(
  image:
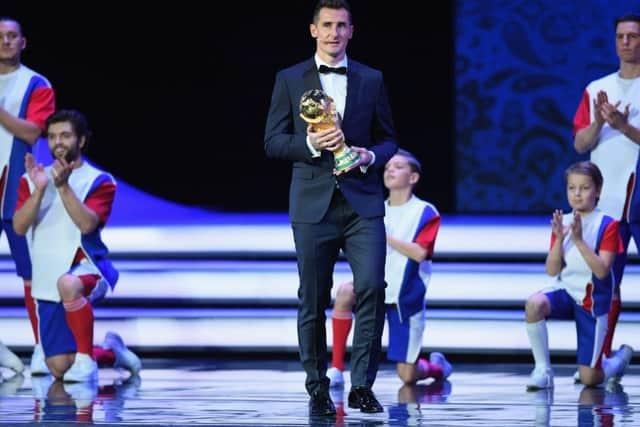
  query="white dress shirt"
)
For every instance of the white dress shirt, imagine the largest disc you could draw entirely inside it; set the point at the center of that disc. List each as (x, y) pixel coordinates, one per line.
(335, 85)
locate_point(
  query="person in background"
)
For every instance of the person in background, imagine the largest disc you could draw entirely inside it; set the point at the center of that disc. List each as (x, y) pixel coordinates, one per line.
(584, 244)
(412, 226)
(26, 100)
(64, 209)
(607, 125)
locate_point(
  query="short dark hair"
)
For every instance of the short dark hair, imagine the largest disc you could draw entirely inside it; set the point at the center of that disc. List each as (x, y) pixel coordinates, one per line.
(628, 17)
(78, 122)
(330, 4)
(587, 168)
(414, 163)
(10, 19)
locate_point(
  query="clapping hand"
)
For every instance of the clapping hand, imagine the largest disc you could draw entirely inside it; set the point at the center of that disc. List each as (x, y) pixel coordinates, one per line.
(576, 228)
(559, 229)
(598, 103)
(61, 170)
(35, 172)
(607, 112)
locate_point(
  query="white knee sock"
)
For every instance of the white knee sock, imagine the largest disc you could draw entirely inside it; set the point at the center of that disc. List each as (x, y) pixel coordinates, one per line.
(539, 340)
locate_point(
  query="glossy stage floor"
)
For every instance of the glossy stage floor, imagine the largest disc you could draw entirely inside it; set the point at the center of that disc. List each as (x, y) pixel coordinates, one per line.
(270, 393)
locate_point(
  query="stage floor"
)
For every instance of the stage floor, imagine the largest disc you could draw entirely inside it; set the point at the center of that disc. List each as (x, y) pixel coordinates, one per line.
(271, 393)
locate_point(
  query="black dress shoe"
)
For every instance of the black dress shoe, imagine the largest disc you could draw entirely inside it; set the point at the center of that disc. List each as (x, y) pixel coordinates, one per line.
(364, 399)
(320, 405)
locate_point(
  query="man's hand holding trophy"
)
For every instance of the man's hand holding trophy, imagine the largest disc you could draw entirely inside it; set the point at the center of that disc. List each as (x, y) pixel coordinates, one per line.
(319, 111)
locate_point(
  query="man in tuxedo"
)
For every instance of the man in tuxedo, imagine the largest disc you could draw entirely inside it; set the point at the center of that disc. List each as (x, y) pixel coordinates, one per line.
(334, 209)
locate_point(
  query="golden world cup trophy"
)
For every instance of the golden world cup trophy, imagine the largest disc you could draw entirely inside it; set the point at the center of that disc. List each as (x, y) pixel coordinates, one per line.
(318, 109)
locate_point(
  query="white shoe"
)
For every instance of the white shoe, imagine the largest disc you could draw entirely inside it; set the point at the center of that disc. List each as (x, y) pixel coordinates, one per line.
(38, 365)
(438, 358)
(540, 378)
(8, 359)
(336, 379)
(619, 362)
(84, 369)
(125, 358)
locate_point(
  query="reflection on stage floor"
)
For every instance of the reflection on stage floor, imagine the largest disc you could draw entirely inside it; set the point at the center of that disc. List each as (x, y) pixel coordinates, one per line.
(271, 393)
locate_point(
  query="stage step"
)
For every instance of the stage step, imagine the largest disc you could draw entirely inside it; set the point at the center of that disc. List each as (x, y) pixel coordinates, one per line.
(269, 236)
(203, 283)
(232, 287)
(269, 330)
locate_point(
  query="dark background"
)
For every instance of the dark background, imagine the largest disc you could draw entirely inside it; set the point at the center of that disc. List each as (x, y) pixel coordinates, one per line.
(521, 69)
(178, 95)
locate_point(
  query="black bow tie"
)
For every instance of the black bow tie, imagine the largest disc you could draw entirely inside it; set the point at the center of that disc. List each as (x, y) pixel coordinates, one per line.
(338, 70)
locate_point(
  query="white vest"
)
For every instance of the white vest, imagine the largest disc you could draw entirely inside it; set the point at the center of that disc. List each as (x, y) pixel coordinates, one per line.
(402, 222)
(55, 237)
(13, 87)
(616, 155)
(576, 274)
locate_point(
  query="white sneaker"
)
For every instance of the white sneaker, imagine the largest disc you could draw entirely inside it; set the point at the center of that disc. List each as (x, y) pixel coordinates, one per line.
(125, 358)
(336, 379)
(438, 358)
(619, 361)
(8, 359)
(84, 369)
(38, 364)
(540, 379)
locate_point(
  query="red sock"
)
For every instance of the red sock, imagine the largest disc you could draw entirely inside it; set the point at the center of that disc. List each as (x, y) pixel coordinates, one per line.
(79, 314)
(429, 370)
(103, 356)
(30, 304)
(341, 321)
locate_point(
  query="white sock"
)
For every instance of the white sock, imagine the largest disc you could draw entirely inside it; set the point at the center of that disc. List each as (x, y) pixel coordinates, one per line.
(539, 340)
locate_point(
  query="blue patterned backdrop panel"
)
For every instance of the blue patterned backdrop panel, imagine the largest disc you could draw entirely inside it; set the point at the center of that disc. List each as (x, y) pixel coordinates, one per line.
(521, 69)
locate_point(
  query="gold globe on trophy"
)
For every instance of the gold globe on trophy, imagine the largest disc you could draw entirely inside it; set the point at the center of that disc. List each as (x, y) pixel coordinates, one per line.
(318, 109)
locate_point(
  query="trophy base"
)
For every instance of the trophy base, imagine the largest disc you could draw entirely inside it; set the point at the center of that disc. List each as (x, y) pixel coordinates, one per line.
(345, 159)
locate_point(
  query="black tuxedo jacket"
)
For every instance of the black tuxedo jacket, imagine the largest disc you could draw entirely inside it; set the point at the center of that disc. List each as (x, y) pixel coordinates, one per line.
(367, 122)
